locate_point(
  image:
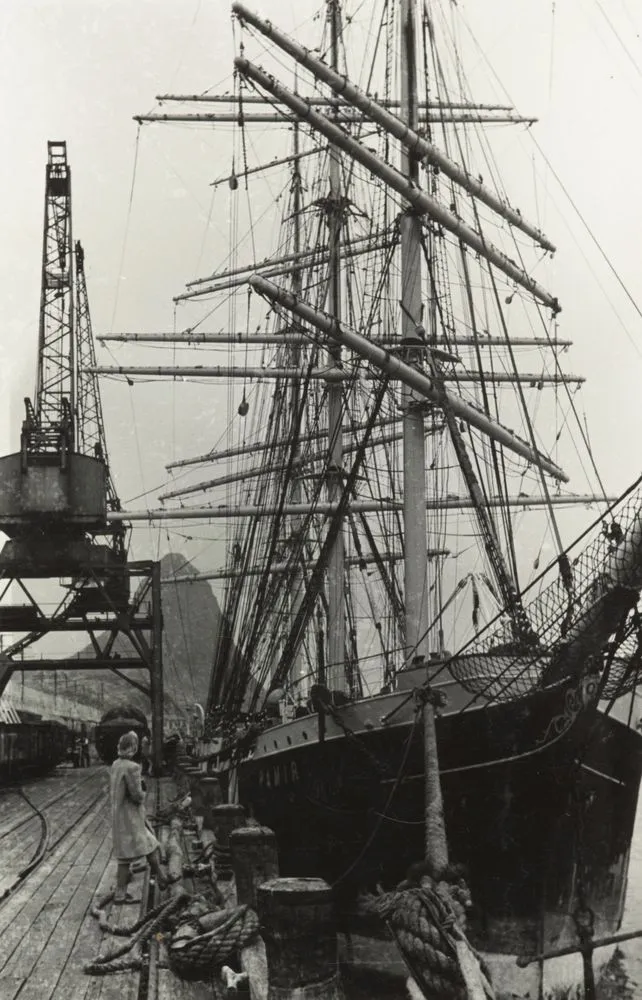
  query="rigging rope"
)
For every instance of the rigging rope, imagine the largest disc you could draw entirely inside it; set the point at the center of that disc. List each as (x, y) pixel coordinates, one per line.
(336, 524)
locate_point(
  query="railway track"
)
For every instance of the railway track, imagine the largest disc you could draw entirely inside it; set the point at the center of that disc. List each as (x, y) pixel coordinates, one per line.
(32, 825)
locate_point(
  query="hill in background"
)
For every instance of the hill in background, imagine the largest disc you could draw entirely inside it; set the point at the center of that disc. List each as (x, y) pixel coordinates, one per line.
(191, 626)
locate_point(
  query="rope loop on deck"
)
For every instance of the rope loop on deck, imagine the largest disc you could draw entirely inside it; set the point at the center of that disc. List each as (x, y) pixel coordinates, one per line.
(139, 932)
(427, 924)
(196, 957)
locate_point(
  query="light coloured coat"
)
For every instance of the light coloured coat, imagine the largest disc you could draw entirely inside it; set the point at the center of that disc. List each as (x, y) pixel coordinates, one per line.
(131, 837)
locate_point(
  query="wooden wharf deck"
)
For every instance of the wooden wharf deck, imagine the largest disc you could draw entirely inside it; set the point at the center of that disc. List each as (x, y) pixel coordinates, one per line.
(47, 933)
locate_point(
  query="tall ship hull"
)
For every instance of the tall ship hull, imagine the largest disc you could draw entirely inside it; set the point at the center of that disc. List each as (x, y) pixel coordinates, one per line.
(351, 809)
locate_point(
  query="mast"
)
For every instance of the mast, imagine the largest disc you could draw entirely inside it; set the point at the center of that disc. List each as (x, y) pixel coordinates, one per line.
(423, 203)
(416, 588)
(294, 353)
(414, 452)
(401, 129)
(335, 669)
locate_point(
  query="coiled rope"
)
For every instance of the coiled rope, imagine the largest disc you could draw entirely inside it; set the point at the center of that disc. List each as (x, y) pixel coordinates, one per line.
(198, 956)
(197, 946)
(138, 932)
(426, 922)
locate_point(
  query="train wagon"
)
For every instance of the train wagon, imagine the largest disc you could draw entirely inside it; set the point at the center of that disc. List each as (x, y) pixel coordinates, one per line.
(31, 747)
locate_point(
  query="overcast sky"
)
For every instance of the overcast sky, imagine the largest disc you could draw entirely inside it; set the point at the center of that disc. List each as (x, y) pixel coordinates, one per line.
(80, 69)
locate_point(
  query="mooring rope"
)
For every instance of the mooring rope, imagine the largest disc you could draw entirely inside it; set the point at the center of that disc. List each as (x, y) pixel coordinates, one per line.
(228, 930)
(427, 924)
(138, 932)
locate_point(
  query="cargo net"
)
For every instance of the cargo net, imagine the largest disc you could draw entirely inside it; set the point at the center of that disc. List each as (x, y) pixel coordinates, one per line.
(582, 617)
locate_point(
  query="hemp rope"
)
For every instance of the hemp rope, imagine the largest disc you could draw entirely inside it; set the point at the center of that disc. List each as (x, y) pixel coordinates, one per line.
(195, 957)
(424, 925)
(200, 955)
(139, 932)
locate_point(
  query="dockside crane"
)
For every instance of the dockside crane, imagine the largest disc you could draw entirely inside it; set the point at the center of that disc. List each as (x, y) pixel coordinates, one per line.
(56, 493)
(89, 419)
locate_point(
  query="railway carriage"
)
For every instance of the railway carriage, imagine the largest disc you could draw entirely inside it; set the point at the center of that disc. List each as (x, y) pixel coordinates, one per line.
(32, 746)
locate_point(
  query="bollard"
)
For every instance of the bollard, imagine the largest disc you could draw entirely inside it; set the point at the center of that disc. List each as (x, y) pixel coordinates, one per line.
(300, 937)
(225, 818)
(174, 852)
(212, 796)
(194, 778)
(254, 860)
(181, 774)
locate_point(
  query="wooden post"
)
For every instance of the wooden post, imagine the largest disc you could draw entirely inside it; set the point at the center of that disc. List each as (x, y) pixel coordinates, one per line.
(254, 963)
(254, 860)
(156, 669)
(436, 844)
(300, 939)
(212, 796)
(589, 974)
(175, 855)
(194, 777)
(225, 818)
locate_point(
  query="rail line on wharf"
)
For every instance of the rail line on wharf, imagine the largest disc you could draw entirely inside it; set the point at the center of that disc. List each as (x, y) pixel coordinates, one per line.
(48, 936)
(28, 837)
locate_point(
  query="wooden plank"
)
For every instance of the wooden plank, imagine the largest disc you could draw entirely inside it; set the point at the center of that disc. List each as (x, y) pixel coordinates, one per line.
(66, 805)
(124, 985)
(10, 907)
(37, 889)
(170, 987)
(14, 809)
(72, 805)
(73, 983)
(18, 912)
(54, 958)
(18, 848)
(28, 936)
(10, 987)
(34, 893)
(154, 955)
(7, 880)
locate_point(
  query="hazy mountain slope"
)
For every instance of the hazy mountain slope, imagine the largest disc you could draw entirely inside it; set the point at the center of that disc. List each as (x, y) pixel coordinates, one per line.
(191, 625)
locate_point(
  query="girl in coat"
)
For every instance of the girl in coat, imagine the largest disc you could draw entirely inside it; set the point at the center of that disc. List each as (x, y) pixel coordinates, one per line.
(131, 837)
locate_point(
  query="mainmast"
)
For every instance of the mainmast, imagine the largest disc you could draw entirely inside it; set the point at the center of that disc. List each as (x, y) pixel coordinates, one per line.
(335, 669)
(414, 451)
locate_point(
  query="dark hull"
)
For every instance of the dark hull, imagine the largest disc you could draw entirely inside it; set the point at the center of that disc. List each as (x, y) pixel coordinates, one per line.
(511, 798)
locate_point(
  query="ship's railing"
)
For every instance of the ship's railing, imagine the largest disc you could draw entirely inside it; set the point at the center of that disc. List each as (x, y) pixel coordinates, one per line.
(580, 609)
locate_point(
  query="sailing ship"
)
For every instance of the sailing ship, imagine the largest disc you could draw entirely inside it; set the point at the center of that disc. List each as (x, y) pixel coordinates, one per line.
(383, 585)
